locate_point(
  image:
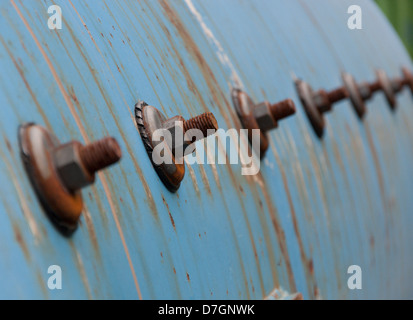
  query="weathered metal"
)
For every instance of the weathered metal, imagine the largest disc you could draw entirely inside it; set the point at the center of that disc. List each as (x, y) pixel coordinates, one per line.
(315, 208)
(262, 116)
(150, 120)
(358, 94)
(77, 165)
(58, 172)
(316, 103)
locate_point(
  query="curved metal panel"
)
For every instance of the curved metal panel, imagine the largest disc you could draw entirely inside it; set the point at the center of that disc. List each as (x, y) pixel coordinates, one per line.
(315, 208)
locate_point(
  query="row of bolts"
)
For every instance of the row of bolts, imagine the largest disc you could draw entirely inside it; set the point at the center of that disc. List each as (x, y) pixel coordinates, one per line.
(103, 153)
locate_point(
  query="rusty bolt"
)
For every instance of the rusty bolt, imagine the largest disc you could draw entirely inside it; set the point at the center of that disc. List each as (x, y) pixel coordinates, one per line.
(178, 126)
(283, 109)
(324, 100)
(149, 120)
(58, 172)
(383, 83)
(77, 164)
(267, 115)
(205, 122)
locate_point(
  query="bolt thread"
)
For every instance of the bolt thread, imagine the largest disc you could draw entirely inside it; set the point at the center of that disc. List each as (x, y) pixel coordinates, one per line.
(337, 95)
(375, 86)
(100, 154)
(204, 122)
(397, 85)
(282, 109)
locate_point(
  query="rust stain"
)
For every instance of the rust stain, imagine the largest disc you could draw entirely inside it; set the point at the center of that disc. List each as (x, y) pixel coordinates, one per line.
(281, 239)
(169, 212)
(145, 185)
(215, 91)
(376, 163)
(208, 75)
(20, 240)
(42, 283)
(101, 209)
(8, 145)
(187, 277)
(84, 135)
(26, 83)
(28, 214)
(91, 232)
(53, 71)
(311, 266)
(205, 180)
(194, 181)
(81, 269)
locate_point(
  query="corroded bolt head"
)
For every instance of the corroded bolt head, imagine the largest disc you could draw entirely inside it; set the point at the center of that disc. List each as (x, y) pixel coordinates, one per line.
(264, 117)
(77, 164)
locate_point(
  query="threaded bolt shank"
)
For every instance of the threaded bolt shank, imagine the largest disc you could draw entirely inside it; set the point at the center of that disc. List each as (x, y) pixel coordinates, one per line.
(203, 122)
(100, 154)
(375, 86)
(283, 109)
(337, 95)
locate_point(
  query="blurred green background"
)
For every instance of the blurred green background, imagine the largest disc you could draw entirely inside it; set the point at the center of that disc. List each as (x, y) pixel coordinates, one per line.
(400, 13)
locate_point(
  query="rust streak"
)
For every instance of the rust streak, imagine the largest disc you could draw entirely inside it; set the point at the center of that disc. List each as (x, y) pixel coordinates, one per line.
(376, 163)
(26, 83)
(306, 262)
(20, 240)
(85, 137)
(169, 212)
(81, 269)
(53, 71)
(138, 170)
(28, 214)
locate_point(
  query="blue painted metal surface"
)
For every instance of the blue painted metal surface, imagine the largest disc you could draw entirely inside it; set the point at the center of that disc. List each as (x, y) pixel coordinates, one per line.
(316, 208)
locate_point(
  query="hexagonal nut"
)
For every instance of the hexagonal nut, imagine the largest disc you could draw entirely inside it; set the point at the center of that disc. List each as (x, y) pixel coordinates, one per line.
(263, 116)
(69, 166)
(175, 126)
